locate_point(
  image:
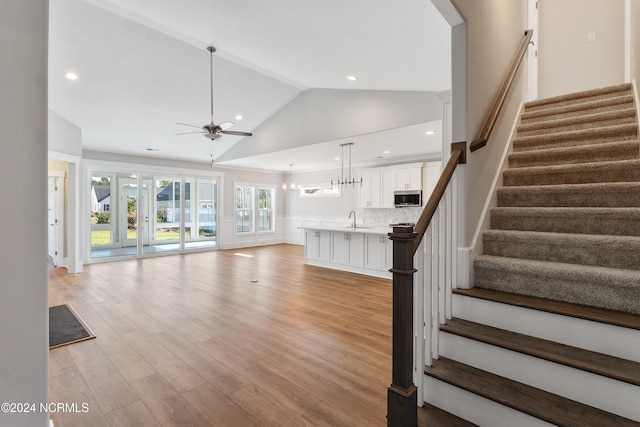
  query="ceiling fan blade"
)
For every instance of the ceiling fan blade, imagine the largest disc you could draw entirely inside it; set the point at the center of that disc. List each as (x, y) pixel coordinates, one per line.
(187, 133)
(225, 125)
(234, 132)
(187, 124)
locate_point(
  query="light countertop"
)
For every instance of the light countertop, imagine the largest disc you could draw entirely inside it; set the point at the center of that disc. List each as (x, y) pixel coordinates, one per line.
(366, 229)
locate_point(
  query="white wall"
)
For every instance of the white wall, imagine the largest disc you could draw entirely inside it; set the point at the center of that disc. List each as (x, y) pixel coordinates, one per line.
(23, 165)
(495, 29)
(635, 40)
(321, 115)
(568, 62)
(64, 136)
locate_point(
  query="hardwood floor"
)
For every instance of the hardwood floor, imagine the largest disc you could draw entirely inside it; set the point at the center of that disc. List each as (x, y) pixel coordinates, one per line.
(227, 338)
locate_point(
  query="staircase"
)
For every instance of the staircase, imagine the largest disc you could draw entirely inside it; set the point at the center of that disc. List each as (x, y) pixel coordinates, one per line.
(550, 334)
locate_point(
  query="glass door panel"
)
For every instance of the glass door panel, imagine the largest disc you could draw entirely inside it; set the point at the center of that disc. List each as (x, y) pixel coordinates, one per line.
(102, 227)
(128, 207)
(164, 218)
(201, 224)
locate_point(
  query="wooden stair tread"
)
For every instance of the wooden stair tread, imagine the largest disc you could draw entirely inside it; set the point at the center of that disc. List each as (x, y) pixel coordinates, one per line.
(597, 363)
(617, 318)
(430, 415)
(521, 397)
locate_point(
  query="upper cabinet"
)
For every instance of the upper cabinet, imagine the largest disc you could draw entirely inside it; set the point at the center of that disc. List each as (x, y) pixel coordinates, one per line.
(409, 179)
(379, 184)
(370, 189)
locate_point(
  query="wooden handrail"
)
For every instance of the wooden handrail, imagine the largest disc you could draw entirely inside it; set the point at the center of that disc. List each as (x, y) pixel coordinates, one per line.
(458, 156)
(498, 103)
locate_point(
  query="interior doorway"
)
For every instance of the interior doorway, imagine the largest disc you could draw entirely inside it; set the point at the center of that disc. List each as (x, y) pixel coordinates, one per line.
(55, 217)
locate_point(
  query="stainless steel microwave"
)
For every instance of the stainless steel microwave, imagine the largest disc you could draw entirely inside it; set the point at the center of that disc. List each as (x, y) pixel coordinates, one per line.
(407, 198)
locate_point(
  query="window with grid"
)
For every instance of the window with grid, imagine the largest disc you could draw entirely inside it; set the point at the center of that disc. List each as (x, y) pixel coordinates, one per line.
(244, 209)
(265, 209)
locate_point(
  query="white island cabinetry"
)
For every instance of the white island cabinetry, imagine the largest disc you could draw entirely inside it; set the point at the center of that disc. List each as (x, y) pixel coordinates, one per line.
(317, 245)
(363, 250)
(347, 248)
(378, 252)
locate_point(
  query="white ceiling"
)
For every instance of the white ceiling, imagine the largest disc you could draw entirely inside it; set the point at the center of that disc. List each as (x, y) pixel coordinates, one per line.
(142, 67)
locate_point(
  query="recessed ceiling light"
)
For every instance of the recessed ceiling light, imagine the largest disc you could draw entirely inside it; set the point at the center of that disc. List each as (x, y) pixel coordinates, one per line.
(386, 152)
(429, 132)
(238, 116)
(71, 76)
(337, 158)
(352, 78)
(153, 149)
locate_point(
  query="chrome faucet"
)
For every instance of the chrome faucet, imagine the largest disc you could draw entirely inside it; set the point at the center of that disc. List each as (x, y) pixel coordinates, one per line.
(354, 218)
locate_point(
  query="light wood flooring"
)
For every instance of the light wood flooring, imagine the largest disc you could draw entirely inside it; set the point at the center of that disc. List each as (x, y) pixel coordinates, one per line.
(223, 339)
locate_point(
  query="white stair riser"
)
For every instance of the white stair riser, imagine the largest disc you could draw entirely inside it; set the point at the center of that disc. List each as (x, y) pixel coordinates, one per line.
(594, 390)
(474, 408)
(599, 337)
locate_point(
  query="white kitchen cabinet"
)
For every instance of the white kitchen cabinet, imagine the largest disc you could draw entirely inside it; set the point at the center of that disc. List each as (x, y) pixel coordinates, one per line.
(344, 248)
(388, 185)
(347, 248)
(409, 178)
(317, 245)
(379, 184)
(370, 189)
(377, 252)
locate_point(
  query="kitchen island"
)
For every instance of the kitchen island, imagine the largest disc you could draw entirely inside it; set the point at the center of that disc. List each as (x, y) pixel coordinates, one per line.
(363, 249)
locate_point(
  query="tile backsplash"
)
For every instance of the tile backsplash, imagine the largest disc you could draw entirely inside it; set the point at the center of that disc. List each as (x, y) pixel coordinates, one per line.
(391, 216)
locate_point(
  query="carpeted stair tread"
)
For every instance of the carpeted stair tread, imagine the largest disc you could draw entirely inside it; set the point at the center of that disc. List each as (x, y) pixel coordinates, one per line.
(573, 97)
(607, 194)
(594, 314)
(607, 118)
(580, 173)
(613, 221)
(580, 109)
(577, 97)
(623, 132)
(603, 287)
(585, 249)
(538, 403)
(578, 358)
(608, 151)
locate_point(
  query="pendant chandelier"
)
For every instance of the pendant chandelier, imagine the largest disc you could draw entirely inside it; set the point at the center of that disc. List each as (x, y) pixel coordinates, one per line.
(349, 180)
(291, 186)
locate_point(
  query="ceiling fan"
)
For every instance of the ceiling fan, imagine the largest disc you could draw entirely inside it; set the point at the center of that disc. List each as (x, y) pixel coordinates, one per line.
(214, 131)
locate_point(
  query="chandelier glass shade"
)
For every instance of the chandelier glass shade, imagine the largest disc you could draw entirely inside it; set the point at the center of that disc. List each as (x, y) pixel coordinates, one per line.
(290, 186)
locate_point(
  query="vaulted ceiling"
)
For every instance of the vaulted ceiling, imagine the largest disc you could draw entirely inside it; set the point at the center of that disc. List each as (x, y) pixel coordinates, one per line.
(142, 67)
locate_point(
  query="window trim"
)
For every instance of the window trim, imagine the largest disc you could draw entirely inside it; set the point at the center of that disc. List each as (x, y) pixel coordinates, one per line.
(255, 208)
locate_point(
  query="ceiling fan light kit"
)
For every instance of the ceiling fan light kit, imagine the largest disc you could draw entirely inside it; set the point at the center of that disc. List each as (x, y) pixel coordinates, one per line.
(214, 131)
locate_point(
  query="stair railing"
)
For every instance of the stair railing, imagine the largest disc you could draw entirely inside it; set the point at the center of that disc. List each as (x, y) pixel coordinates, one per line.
(498, 103)
(431, 247)
(402, 396)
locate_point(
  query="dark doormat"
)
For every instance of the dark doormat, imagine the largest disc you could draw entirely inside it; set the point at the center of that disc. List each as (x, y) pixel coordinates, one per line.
(66, 327)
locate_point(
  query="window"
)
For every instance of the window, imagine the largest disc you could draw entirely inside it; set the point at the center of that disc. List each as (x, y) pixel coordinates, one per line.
(319, 190)
(244, 209)
(265, 209)
(254, 202)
